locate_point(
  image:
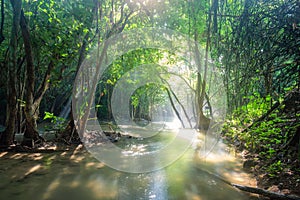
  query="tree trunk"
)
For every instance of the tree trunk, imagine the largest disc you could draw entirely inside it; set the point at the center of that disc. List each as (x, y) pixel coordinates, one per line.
(11, 113)
(181, 105)
(174, 107)
(109, 109)
(203, 122)
(70, 132)
(31, 112)
(33, 100)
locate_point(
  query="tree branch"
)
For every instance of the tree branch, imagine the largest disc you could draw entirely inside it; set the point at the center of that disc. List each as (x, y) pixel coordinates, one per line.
(45, 83)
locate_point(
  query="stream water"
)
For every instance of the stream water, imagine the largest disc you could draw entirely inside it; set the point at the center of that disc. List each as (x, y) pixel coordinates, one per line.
(76, 175)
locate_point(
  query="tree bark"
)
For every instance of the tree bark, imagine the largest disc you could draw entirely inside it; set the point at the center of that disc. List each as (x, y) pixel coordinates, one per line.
(7, 137)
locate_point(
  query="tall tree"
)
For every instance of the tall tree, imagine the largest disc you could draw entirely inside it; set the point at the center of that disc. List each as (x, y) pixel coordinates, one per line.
(115, 24)
(8, 136)
(48, 46)
(31, 134)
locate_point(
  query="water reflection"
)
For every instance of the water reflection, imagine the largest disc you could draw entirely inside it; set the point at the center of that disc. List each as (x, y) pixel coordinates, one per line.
(143, 186)
(182, 180)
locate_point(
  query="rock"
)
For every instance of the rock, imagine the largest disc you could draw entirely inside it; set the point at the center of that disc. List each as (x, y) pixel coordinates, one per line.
(280, 186)
(285, 191)
(274, 188)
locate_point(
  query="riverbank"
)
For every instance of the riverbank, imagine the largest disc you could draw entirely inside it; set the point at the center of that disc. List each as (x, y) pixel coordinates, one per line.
(267, 137)
(287, 181)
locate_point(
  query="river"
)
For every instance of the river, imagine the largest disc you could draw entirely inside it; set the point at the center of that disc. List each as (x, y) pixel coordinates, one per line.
(75, 174)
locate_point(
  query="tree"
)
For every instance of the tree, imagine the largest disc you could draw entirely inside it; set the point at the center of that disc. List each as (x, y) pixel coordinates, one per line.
(43, 55)
(114, 24)
(7, 137)
(31, 110)
(59, 58)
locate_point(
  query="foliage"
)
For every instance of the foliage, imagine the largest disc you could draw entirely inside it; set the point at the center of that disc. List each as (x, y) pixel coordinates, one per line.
(268, 138)
(58, 123)
(257, 45)
(275, 168)
(127, 64)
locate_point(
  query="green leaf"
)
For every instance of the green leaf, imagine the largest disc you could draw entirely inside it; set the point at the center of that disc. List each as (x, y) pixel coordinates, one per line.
(85, 30)
(48, 115)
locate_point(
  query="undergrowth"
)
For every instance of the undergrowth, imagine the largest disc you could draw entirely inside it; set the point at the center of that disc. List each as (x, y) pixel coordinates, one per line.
(270, 138)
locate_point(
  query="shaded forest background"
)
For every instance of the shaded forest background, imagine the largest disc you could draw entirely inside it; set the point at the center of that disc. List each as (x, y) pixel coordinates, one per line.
(255, 44)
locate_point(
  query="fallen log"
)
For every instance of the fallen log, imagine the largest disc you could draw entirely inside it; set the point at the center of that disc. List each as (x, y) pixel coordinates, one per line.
(253, 190)
(266, 193)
